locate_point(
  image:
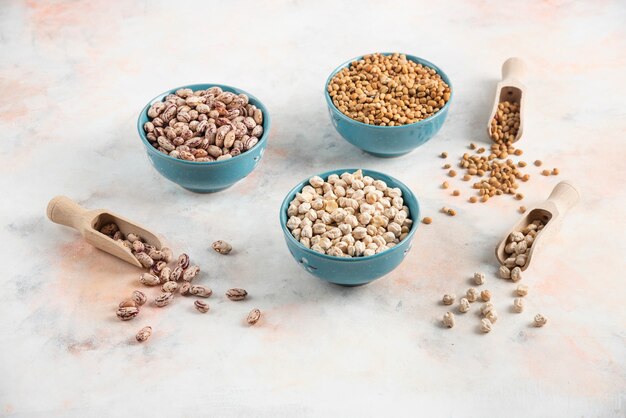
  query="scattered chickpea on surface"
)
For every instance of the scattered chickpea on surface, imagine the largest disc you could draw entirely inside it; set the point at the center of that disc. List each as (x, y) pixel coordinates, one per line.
(427, 220)
(471, 294)
(485, 325)
(479, 279)
(448, 319)
(464, 305)
(540, 320)
(448, 298)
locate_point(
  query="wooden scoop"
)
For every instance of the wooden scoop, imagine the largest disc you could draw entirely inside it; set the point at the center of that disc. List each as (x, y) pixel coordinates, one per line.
(551, 212)
(63, 210)
(510, 89)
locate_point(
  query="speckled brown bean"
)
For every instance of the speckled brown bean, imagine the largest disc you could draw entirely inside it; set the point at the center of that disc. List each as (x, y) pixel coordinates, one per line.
(183, 288)
(183, 261)
(138, 297)
(253, 316)
(127, 313)
(236, 294)
(143, 334)
(200, 291)
(201, 306)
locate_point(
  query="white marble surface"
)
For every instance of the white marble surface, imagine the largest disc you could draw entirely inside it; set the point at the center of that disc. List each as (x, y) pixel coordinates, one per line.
(73, 77)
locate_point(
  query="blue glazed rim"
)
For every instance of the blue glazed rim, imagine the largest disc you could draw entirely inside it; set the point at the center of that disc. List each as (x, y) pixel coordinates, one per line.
(415, 213)
(413, 58)
(203, 86)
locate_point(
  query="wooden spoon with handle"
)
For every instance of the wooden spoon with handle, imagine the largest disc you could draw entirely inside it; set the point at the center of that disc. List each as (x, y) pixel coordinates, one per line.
(63, 210)
(551, 212)
(510, 89)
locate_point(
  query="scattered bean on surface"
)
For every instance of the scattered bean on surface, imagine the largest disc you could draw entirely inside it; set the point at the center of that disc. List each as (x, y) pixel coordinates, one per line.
(448, 319)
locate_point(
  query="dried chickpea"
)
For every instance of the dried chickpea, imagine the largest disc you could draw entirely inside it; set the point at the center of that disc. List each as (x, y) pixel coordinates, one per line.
(445, 185)
(452, 173)
(518, 305)
(555, 171)
(473, 199)
(444, 155)
(519, 196)
(538, 163)
(522, 290)
(522, 209)
(448, 319)
(485, 295)
(485, 325)
(456, 193)
(492, 316)
(471, 294)
(516, 274)
(427, 220)
(505, 273)
(464, 305)
(522, 164)
(545, 173)
(540, 320)
(479, 279)
(448, 298)
(486, 307)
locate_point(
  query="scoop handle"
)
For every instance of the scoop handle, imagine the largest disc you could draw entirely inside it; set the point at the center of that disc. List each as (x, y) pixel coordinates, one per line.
(513, 68)
(564, 196)
(63, 210)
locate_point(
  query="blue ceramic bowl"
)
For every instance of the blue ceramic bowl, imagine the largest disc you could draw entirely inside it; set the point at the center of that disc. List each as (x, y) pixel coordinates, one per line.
(205, 177)
(387, 141)
(357, 270)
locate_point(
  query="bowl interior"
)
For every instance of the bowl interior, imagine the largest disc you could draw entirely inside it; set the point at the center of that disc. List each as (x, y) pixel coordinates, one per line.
(143, 118)
(409, 200)
(413, 58)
